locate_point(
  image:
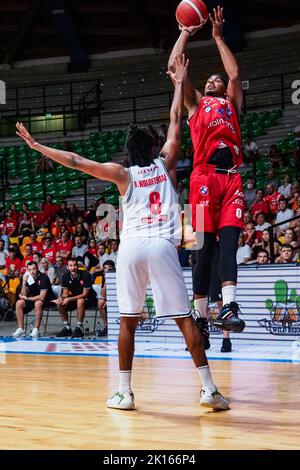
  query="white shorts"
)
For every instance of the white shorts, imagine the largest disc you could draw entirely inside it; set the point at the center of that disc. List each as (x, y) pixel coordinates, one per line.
(141, 261)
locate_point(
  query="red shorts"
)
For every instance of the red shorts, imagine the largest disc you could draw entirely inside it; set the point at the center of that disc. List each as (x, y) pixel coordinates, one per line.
(217, 200)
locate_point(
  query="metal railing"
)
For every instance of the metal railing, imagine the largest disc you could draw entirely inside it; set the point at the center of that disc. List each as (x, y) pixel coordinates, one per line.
(78, 107)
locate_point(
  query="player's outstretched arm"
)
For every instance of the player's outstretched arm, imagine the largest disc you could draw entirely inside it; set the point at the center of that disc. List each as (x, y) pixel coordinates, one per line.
(106, 171)
(171, 149)
(234, 88)
(192, 97)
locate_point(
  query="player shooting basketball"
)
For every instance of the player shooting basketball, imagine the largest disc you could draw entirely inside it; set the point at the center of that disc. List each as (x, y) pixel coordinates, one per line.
(215, 185)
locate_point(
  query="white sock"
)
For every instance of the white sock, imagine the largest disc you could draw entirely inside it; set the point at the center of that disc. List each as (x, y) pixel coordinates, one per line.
(228, 294)
(206, 380)
(201, 307)
(67, 324)
(125, 380)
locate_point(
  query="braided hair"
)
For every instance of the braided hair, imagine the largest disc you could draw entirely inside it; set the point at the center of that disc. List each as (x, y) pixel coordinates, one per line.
(139, 144)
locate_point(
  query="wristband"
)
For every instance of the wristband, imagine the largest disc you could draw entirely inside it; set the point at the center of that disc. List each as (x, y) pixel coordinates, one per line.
(188, 31)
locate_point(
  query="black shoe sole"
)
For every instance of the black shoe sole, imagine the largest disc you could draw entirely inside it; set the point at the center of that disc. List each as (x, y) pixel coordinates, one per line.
(228, 326)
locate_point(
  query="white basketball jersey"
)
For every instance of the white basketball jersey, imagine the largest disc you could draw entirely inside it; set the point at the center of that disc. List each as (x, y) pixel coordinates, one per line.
(150, 205)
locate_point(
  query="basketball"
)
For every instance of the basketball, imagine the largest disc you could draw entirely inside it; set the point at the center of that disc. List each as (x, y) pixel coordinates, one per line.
(191, 13)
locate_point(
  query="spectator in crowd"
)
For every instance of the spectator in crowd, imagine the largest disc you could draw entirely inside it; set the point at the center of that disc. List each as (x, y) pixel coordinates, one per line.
(113, 256)
(49, 208)
(250, 235)
(10, 224)
(60, 269)
(247, 218)
(4, 237)
(12, 272)
(250, 193)
(27, 258)
(260, 205)
(283, 214)
(286, 187)
(36, 293)
(77, 295)
(15, 214)
(64, 246)
(41, 217)
(250, 150)
(91, 256)
(264, 244)
(48, 269)
(294, 202)
(25, 208)
(49, 248)
(82, 232)
(37, 258)
(90, 215)
(261, 223)
(26, 226)
(74, 214)
(288, 237)
(79, 250)
(57, 227)
(183, 194)
(244, 251)
(275, 157)
(3, 255)
(273, 197)
(286, 255)
(107, 266)
(35, 245)
(263, 257)
(63, 211)
(103, 256)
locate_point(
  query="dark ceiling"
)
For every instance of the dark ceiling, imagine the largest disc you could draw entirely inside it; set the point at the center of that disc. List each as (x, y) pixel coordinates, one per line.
(32, 29)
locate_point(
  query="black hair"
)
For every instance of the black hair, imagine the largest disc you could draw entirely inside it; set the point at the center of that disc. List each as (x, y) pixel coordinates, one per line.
(139, 144)
(72, 259)
(110, 263)
(31, 263)
(223, 78)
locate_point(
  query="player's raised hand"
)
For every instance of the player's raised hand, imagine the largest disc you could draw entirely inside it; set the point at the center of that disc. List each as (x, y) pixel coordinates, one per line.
(217, 21)
(181, 65)
(191, 29)
(24, 134)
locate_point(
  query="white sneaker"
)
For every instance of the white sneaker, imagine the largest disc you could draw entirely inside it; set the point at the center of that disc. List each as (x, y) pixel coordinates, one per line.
(18, 333)
(35, 333)
(213, 400)
(121, 401)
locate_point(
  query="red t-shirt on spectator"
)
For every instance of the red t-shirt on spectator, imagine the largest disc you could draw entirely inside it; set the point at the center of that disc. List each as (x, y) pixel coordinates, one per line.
(262, 206)
(50, 254)
(51, 210)
(13, 264)
(10, 225)
(24, 263)
(273, 200)
(36, 247)
(40, 218)
(93, 251)
(63, 248)
(16, 216)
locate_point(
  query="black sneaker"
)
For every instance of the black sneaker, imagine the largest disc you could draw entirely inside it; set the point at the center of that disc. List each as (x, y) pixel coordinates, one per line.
(228, 318)
(226, 345)
(102, 332)
(202, 324)
(64, 332)
(78, 333)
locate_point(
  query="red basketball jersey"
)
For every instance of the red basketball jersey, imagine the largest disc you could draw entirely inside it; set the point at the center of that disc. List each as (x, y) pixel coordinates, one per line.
(215, 124)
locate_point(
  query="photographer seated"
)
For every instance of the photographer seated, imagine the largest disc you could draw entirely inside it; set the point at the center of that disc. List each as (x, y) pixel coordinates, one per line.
(77, 294)
(36, 293)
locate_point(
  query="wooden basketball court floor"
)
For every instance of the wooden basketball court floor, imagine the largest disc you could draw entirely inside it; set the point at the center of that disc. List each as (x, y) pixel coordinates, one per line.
(58, 402)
